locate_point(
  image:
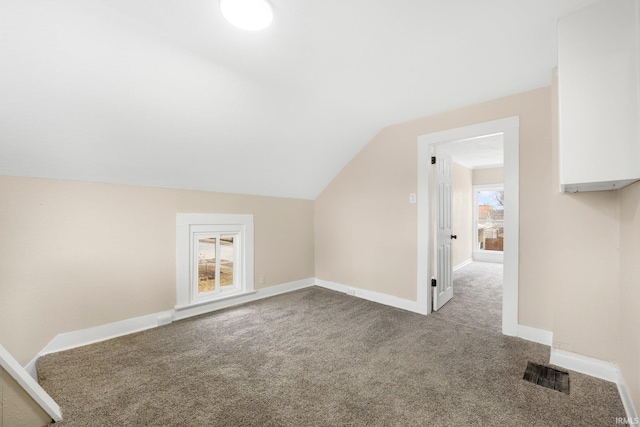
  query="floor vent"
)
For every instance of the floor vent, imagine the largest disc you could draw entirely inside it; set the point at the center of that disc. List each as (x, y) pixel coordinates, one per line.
(547, 377)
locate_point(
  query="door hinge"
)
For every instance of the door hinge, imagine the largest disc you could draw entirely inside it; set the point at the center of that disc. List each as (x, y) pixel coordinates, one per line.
(433, 283)
(433, 160)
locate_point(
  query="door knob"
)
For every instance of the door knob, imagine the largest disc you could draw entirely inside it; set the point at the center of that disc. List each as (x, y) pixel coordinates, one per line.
(454, 236)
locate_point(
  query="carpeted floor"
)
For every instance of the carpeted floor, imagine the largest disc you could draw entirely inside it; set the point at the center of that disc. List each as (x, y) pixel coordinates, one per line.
(477, 297)
(315, 357)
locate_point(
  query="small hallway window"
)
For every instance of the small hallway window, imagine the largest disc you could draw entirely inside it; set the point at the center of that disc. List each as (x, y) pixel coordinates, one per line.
(488, 220)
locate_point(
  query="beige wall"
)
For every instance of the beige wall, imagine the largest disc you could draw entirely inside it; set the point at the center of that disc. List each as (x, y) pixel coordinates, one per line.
(462, 220)
(581, 263)
(77, 255)
(365, 228)
(568, 276)
(630, 289)
(17, 408)
(488, 176)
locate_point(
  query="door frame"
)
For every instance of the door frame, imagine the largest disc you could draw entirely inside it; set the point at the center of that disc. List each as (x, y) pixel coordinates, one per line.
(509, 127)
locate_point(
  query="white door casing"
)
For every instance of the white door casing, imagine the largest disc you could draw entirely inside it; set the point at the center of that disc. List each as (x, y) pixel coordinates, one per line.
(443, 184)
(509, 127)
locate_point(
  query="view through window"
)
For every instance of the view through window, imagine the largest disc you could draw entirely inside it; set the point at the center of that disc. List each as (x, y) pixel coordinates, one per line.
(489, 220)
(211, 274)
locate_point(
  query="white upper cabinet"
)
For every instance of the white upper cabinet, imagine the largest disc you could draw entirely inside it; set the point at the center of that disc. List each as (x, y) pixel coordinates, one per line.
(598, 87)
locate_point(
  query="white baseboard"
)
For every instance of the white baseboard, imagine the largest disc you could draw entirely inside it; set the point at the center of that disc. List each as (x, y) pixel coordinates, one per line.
(69, 340)
(463, 264)
(599, 369)
(536, 335)
(627, 402)
(585, 365)
(378, 297)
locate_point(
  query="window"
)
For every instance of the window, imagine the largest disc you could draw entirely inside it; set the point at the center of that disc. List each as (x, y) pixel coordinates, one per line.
(489, 218)
(213, 275)
(216, 270)
(215, 257)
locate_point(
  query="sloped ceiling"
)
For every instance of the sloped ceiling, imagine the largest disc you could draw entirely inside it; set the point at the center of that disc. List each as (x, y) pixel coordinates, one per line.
(166, 93)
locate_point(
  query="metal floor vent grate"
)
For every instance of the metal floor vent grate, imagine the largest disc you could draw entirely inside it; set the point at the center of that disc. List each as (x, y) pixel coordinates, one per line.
(547, 377)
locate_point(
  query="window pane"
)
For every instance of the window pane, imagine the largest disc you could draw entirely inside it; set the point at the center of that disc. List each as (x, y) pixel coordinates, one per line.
(206, 264)
(226, 261)
(490, 205)
(490, 236)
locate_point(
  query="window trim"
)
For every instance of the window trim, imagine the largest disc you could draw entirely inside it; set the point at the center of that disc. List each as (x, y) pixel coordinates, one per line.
(190, 225)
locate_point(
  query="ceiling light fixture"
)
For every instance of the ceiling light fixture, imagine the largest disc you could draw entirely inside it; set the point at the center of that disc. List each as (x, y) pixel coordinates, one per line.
(252, 15)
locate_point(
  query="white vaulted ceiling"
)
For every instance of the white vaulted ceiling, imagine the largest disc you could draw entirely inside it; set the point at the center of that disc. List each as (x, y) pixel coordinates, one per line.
(166, 93)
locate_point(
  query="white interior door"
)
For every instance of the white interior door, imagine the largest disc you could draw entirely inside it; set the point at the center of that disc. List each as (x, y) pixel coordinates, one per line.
(443, 182)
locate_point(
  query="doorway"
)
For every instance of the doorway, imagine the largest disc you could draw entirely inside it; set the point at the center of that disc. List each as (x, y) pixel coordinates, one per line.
(509, 129)
(478, 226)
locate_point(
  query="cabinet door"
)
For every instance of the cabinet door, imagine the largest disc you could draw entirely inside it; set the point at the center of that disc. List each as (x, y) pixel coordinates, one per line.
(598, 91)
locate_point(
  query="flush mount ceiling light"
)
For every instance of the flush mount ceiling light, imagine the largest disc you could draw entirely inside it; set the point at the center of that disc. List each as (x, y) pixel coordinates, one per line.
(252, 15)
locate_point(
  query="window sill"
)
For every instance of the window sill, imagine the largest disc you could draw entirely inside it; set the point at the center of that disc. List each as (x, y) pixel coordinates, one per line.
(213, 301)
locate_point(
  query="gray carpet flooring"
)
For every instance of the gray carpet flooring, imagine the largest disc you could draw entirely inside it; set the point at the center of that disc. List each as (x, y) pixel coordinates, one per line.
(315, 357)
(477, 300)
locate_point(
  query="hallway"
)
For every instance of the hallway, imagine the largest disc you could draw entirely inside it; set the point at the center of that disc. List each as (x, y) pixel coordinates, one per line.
(477, 297)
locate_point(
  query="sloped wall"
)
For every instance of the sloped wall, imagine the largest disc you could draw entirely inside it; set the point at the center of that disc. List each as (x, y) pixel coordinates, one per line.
(77, 255)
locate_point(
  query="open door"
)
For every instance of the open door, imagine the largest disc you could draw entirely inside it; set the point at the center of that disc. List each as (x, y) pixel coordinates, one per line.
(443, 268)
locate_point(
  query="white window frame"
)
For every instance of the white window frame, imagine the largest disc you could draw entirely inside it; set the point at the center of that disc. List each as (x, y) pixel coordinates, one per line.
(217, 232)
(484, 255)
(191, 227)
